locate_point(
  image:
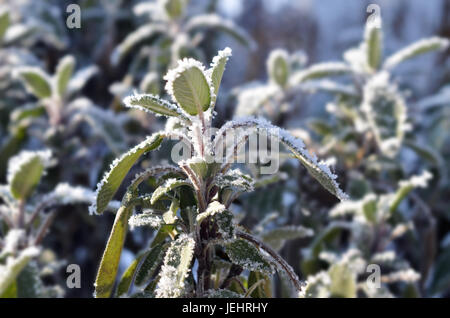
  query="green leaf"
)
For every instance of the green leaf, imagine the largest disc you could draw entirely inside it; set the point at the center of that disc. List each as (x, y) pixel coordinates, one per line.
(25, 171)
(29, 284)
(14, 267)
(245, 254)
(418, 48)
(153, 104)
(343, 281)
(218, 67)
(262, 290)
(10, 292)
(278, 236)
(278, 67)
(177, 264)
(145, 32)
(167, 186)
(174, 8)
(129, 274)
(64, 72)
(119, 169)
(150, 264)
(320, 70)
(373, 40)
(4, 23)
(36, 81)
(214, 21)
(406, 186)
(109, 265)
(191, 90)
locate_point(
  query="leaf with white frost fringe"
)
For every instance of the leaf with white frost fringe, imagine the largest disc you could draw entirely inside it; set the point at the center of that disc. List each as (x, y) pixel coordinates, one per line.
(215, 21)
(176, 267)
(109, 265)
(63, 74)
(80, 78)
(13, 267)
(278, 236)
(189, 86)
(212, 209)
(318, 169)
(406, 186)
(373, 41)
(420, 47)
(247, 255)
(127, 278)
(278, 67)
(146, 218)
(153, 104)
(136, 37)
(150, 263)
(218, 67)
(25, 171)
(119, 169)
(386, 113)
(36, 81)
(167, 186)
(320, 70)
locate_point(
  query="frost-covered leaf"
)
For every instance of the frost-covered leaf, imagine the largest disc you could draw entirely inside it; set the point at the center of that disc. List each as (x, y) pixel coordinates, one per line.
(212, 209)
(64, 72)
(176, 268)
(13, 267)
(109, 265)
(151, 262)
(320, 70)
(235, 180)
(25, 171)
(386, 113)
(248, 256)
(190, 86)
(406, 186)
(218, 67)
(153, 104)
(134, 38)
(65, 194)
(214, 21)
(80, 78)
(29, 284)
(36, 81)
(420, 47)
(276, 237)
(318, 169)
(373, 44)
(146, 218)
(167, 186)
(111, 181)
(278, 67)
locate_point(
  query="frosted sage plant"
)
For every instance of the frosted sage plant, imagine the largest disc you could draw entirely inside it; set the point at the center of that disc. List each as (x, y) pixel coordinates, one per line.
(198, 250)
(26, 217)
